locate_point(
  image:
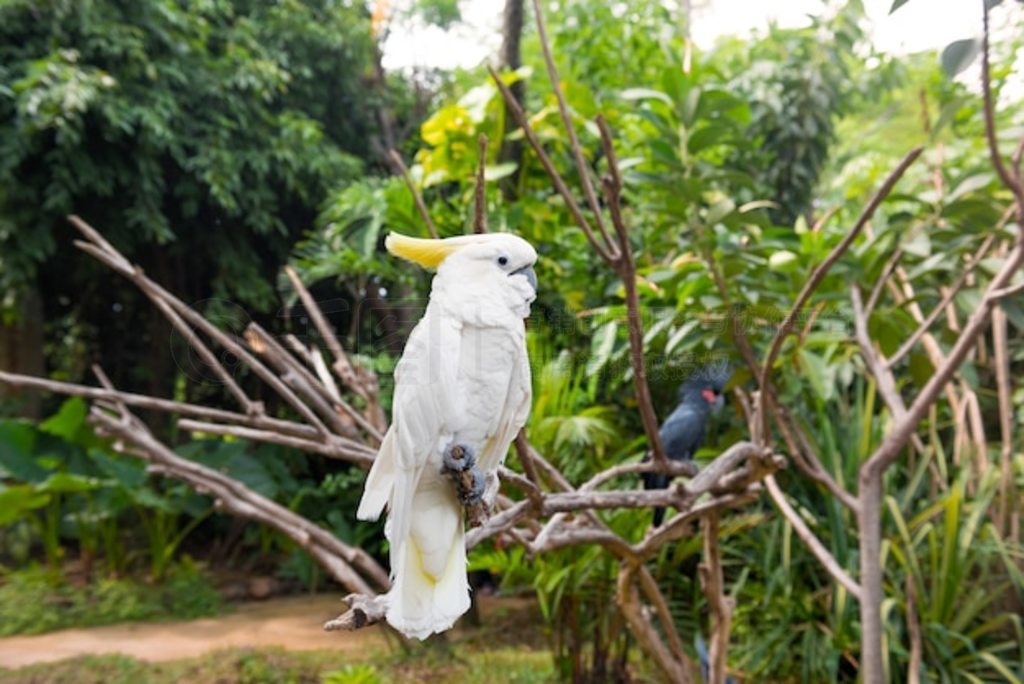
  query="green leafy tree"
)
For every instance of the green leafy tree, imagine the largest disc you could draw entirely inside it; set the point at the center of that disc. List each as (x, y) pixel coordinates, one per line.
(202, 137)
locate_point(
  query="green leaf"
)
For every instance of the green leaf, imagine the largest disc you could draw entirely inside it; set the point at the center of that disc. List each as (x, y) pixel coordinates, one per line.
(783, 261)
(896, 5)
(680, 334)
(959, 54)
(67, 483)
(645, 94)
(495, 172)
(818, 373)
(601, 347)
(128, 473)
(17, 444)
(18, 500)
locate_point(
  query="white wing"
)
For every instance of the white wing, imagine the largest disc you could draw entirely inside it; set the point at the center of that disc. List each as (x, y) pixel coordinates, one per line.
(513, 415)
(425, 396)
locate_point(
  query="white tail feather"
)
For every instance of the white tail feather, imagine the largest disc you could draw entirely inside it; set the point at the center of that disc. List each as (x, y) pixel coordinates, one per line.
(421, 603)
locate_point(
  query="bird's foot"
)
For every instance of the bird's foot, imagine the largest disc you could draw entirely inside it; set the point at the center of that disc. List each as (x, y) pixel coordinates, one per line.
(457, 458)
(459, 464)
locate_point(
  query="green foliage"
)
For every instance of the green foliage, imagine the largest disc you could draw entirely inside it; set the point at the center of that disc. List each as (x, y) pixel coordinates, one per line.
(353, 674)
(194, 113)
(34, 600)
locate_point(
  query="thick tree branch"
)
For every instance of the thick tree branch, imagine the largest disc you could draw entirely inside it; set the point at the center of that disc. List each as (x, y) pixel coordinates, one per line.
(721, 606)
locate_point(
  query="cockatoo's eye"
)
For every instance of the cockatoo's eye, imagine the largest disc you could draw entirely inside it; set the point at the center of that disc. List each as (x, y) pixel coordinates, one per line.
(503, 260)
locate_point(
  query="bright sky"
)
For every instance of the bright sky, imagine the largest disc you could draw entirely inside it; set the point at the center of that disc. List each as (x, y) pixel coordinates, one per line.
(919, 25)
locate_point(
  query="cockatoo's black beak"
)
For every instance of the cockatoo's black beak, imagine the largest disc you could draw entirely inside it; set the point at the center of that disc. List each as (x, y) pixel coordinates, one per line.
(528, 273)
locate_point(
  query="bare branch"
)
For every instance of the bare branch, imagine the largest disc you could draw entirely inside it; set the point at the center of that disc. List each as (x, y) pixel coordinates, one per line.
(480, 192)
(574, 144)
(951, 292)
(901, 431)
(883, 278)
(293, 374)
(162, 298)
(342, 365)
(499, 523)
(626, 268)
(363, 611)
(720, 605)
(1004, 388)
(914, 627)
(819, 274)
(677, 527)
(421, 206)
(545, 160)
(629, 603)
(308, 385)
(808, 537)
(1008, 291)
(655, 597)
(334, 446)
(341, 560)
(156, 404)
(1011, 180)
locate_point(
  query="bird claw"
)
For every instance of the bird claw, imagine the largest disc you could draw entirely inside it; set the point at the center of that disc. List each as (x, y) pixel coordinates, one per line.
(474, 492)
(470, 482)
(457, 458)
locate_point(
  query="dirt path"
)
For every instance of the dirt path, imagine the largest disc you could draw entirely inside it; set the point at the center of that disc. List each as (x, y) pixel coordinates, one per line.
(292, 623)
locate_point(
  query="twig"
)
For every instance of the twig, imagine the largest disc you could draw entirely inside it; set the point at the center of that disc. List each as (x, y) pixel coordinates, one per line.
(1004, 389)
(914, 627)
(421, 207)
(629, 603)
(303, 381)
(335, 447)
(654, 596)
(626, 268)
(1008, 291)
(883, 278)
(300, 380)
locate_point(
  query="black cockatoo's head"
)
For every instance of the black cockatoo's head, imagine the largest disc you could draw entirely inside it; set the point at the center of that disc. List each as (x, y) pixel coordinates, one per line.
(706, 385)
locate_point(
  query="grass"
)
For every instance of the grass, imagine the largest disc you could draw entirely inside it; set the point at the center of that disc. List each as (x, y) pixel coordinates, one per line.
(35, 600)
(267, 666)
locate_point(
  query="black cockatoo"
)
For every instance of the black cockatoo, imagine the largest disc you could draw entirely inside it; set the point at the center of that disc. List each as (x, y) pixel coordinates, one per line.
(683, 431)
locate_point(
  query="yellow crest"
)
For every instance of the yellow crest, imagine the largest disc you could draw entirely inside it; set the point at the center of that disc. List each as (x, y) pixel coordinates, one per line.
(428, 253)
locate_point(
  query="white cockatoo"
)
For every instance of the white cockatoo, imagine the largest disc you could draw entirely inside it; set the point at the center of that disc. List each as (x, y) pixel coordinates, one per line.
(463, 380)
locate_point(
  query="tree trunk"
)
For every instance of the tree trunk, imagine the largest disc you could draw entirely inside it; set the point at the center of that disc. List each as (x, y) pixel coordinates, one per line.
(869, 520)
(511, 59)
